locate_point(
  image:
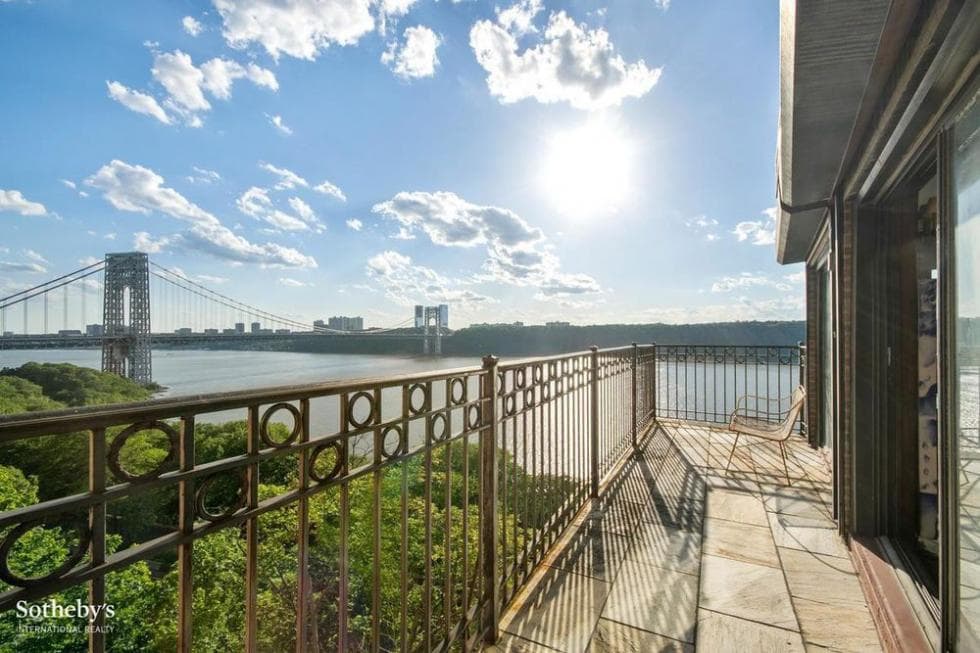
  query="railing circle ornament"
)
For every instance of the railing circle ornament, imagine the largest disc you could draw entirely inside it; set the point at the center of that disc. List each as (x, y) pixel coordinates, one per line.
(293, 434)
(112, 458)
(352, 404)
(552, 369)
(545, 392)
(200, 499)
(401, 441)
(473, 417)
(338, 464)
(510, 405)
(415, 391)
(457, 391)
(537, 373)
(502, 380)
(529, 398)
(74, 557)
(443, 433)
(520, 377)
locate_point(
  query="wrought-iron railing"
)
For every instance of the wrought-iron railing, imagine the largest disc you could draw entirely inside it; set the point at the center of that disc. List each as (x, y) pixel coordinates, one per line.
(702, 383)
(385, 514)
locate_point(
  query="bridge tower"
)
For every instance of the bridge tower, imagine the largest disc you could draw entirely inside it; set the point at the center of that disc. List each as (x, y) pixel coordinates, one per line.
(126, 317)
(434, 318)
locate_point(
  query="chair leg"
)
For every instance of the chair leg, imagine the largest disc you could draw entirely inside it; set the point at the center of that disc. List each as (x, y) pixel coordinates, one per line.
(737, 436)
(782, 451)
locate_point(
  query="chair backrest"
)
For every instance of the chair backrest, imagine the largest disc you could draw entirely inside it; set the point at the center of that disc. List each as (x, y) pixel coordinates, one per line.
(796, 405)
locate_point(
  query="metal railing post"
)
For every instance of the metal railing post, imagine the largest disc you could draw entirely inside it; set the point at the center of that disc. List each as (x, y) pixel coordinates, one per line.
(634, 405)
(803, 412)
(594, 422)
(653, 383)
(488, 498)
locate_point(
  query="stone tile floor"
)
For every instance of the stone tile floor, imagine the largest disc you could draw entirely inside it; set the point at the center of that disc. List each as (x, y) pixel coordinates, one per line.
(680, 555)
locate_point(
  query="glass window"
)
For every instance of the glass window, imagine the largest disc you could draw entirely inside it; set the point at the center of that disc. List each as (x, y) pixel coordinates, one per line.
(965, 313)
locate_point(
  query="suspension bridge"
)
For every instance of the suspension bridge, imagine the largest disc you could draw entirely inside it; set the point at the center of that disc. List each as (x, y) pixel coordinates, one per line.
(126, 304)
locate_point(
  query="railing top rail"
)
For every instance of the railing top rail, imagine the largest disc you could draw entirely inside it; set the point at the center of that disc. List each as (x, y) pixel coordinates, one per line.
(75, 419)
(530, 360)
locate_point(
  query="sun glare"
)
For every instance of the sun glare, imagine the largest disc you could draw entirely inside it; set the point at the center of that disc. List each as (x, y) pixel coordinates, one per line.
(586, 171)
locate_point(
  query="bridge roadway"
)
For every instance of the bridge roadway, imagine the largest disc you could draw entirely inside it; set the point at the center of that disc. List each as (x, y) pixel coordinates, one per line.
(55, 341)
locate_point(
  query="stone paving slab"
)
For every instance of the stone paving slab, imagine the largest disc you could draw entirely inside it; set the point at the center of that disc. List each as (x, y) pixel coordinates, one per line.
(682, 555)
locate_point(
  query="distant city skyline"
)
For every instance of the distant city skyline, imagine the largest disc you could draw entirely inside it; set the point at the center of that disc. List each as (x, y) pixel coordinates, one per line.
(519, 162)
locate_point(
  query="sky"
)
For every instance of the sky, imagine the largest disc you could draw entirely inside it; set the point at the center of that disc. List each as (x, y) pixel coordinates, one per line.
(590, 161)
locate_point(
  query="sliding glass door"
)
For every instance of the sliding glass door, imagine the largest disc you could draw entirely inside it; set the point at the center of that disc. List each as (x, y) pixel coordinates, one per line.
(963, 312)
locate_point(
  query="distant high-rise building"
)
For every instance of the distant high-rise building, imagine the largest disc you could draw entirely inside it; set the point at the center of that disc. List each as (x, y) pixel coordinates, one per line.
(211, 332)
(239, 327)
(94, 330)
(319, 324)
(256, 327)
(344, 323)
(184, 331)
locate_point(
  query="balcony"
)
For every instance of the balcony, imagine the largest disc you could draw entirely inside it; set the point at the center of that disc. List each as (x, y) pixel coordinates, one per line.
(565, 503)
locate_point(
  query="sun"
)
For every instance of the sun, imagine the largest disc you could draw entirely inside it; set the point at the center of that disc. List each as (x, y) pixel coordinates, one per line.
(585, 172)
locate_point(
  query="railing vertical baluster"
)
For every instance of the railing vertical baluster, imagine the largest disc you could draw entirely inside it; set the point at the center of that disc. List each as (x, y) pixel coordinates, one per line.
(488, 511)
(185, 587)
(403, 548)
(97, 526)
(594, 422)
(343, 562)
(252, 535)
(376, 480)
(802, 372)
(634, 403)
(303, 535)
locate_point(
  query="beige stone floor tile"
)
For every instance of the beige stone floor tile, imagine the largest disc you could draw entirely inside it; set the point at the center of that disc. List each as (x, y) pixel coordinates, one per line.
(592, 552)
(720, 633)
(513, 644)
(814, 535)
(798, 501)
(612, 637)
(740, 542)
(739, 589)
(671, 548)
(837, 626)
(744, 507)
(561, 612)
(662, 601)
(822, 578)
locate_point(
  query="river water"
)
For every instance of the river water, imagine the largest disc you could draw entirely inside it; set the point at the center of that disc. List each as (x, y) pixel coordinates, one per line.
(191, 372)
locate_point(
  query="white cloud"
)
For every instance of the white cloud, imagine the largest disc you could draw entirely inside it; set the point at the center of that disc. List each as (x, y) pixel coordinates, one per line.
(796, 277)
(518, 19)
(186, 83)
(416, 57)
(144, 242)
(747, 280)
(298, 28)
(255, 202)
(14, 202)
(662, 4)
(571, 64)
(355, 224)
(138, 189)
(703, 225)
(293, 283)
(68, 183)
(210, 278)
(22, 266)
(758, 232)
(110, 236)
(203, 176)
(280, 125)
(517, 253)
(191, 25)
(406, 283)
(138, 102)
(287, 178)
(327, 188)
(89, 260)
(740, 309)
(34, 256)
(32, 262)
